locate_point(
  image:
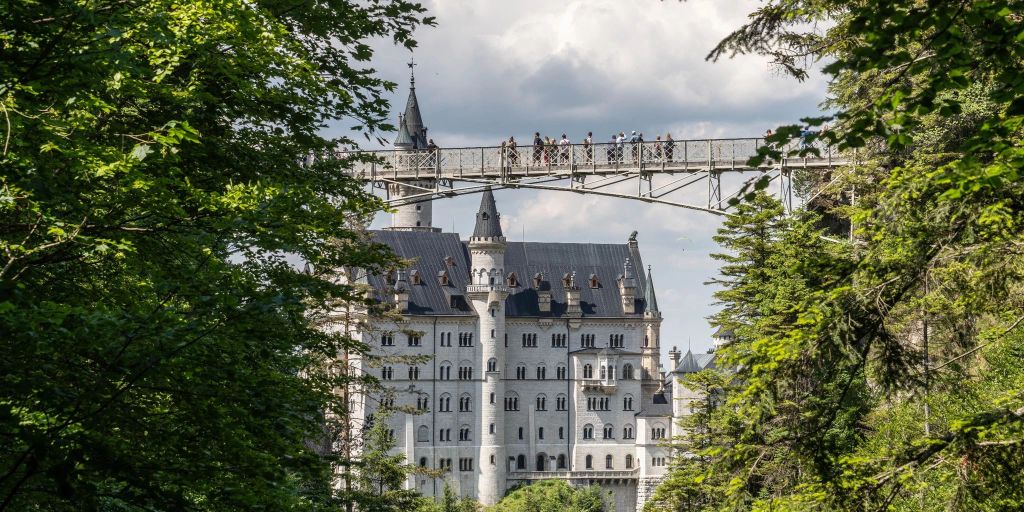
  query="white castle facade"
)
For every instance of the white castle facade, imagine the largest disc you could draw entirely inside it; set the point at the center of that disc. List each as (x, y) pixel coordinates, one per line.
(539, 360)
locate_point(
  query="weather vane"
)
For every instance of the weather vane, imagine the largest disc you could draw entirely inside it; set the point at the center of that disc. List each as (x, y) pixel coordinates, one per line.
(412, 71)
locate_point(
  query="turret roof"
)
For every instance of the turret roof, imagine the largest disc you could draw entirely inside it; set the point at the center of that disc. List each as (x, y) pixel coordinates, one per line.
(650, 301)
(487, 218)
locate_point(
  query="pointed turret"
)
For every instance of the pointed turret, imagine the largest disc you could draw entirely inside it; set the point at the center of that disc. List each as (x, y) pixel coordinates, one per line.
(650, 301)
(404, 139)
(413, 119)
(488, 223)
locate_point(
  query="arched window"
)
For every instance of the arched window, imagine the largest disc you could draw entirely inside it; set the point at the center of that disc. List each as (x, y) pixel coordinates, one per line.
(590, 462)
(611, 373)
(561, 372)
(593, 281)
(588, 431)
(588, 371)
(521, 371)
(445, 371)
(542, 402)
(542, 459)
(627, 371)
(511, 401)
(627, 432)
(561, 461)
(423, 462)
(604, 372)
(423, 435)
(444, 403)
(627, 403)
(492, 365)
(521, 462)
(465, 403)
(608, 461)
(513, 281)
(629, 461)
(609, 431)
(542, 372)
(561, 403)
(415, 277)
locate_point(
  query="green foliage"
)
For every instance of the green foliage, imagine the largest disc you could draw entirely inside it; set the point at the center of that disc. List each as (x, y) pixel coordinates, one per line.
(876, 374)
(553, 496)
(160, 351)
(451, 502)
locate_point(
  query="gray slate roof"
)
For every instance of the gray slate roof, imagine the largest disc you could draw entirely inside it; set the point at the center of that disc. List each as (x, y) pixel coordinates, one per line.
(526, 259)
(693, 363)
(649, 298)
(606, 350)
(660, 405)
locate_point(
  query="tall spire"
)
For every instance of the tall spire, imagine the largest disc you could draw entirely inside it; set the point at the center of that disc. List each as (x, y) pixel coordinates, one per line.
(487, 217)
(413, 119)
(650, 301)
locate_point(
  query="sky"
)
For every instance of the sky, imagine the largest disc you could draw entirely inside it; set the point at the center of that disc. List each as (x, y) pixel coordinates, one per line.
(492, 69)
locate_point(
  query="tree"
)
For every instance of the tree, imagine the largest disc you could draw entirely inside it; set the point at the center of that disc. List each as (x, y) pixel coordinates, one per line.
(160, 350)
(553, 496)
(871, 367)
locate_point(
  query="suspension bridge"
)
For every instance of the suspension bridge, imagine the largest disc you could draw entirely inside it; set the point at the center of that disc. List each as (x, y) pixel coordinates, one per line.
(682, 173)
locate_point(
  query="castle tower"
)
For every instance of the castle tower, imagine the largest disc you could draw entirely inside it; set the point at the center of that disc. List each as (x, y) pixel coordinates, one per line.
(487, 293)
(411, 144)
(651, 350)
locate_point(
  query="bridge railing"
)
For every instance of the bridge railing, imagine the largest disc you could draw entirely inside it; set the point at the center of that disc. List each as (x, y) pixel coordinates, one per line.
(675, 155)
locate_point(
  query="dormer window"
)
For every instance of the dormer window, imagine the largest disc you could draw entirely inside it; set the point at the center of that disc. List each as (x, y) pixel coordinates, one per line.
(449, 261)
(537, 280)
(484, 216)
(389, 278)
(442, 278)
(414, 277)
(567, 280)
(594, 282)
(513, 281)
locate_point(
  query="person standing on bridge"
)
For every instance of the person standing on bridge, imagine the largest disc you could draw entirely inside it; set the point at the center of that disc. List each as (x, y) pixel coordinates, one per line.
(538, 147)
(659, 149)
(513, 153)
(633, 140)
(670, 147)
(612, 148)
(563, 150)
(588, 147)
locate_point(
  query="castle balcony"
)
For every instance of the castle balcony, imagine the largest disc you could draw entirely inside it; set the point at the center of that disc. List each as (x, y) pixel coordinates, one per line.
(487, 288)
(606, 386)
(588, 476)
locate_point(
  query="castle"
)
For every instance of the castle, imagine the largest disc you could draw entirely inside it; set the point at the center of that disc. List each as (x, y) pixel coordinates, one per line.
(542, 358)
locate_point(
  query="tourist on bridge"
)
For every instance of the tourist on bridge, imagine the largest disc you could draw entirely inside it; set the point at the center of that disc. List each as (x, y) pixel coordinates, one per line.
(588, 147)
(669, 147)
(431, 153)
(659, 149)
(633, 140)
(549, 146)
(563, 150)
(611, 148)
(538, 147)
(512, 152)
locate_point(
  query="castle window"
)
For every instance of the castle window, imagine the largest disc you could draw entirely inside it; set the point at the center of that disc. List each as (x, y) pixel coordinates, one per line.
(465, 464)
(629, 461)
(627, 371)
(627, 432)
(423, 402)
(386, 373)
(542, 403)
(512, 402)
(492, 459)
(537, 280)
(466, 339)
(558, 340)
(442, 278)
(414, 340)
(560, 402)
(521, 462)
(417, 223)
(593, 281)
(590, 462)
(521, 372)
(608, 462)
(658, 433)
(423, 461)
(561, 461)
(540, 433)
(513, 281)
(464, 433)
(419, 207)
(609, 432)
(492, 398)
(604, 372)
(587, 340)
(449, 261)
(561, 432)
(567, 280)
(627, 403)
(520, 433)
(466, 372)
(492, 365)
(414, 373)
(465, 403)
(491, 428)
(588, 431)
(423, 436)
(530, 340)
(561, 372)
(387, 340)
(616, 340)
(542, 372)
(588, 371)
(444, 404)
(414, 275)
(446, 371)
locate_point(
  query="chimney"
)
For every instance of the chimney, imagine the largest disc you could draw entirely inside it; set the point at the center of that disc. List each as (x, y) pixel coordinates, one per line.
(627, 289)
(572, 295)
(674, 355)
(401, 293)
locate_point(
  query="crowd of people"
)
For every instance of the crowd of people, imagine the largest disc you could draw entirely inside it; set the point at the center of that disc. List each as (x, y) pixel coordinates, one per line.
(553, 151)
